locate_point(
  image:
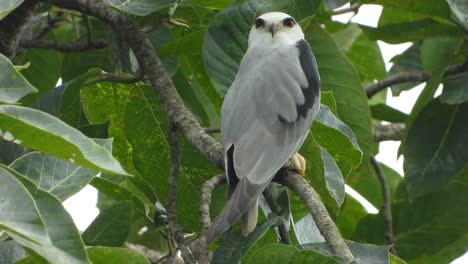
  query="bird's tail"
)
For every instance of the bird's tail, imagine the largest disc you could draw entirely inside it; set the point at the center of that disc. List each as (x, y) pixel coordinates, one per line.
(249, 219)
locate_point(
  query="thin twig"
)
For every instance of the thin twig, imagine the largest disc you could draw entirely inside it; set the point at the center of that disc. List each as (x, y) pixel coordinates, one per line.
(388, 132)
(64, 46)
(51, 24)
(318, 211)
(113, 78)
(386, 207)
(354, 8)
(172, 196)
(403, 77)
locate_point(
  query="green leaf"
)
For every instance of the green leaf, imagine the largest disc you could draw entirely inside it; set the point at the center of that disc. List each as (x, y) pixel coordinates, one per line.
(387, 113)
(338, 139)
(411, 31)
(7, 6)
(105, 255)
(13, 86)
(455, 89)
(111, 227)
(145, 126)
(409, 60)
(25, 125)
(333, 177)
(366, 57)
(427, 7)
(436, 53)
(339, 76)
(70, 108)
(120, 193)
(433, 159)
(430, 229)
(139, 7)
(212, 4)
(363, 253)
(10, 252)
(283, 254)
(346, 36)
(226, 38)
(460, 9)
(350, 213)
(306, 231)
(37, 220)
(56, 176)
(45, 69)
(235, 246)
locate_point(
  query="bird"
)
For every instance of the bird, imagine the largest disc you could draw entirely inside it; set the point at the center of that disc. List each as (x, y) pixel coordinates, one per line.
(266, 115)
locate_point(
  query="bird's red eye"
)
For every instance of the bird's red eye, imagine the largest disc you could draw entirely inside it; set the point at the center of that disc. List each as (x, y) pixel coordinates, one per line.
(289, 22)
(259, 23)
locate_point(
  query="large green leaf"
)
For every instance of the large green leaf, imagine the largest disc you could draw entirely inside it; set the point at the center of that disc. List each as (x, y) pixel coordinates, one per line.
(10, 252)
(432, 159)
(430, 229)
(226, 38)
(411, 31)
(387, 113)
(7, 6)
(44, 69)
(409, 60)
(350, 214)
(363, 253)
(59, 177)
(338, 139)
(115, 255)
(13, 86)
(333, 177)
(145, 126)
(455, 89)
(339, 76)
(436, 53)
(139, 7)
(111, 227)
(306, 231)
(26, 126)
(366, 57)
(427, 7)
(235, 246)
(283, 254)
(38, 221)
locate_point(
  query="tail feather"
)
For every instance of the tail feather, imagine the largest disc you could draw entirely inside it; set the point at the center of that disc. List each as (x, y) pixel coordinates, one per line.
(243, 199)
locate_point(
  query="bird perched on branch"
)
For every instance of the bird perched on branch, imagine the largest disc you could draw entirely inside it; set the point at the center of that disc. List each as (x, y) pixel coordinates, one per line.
(266, 115)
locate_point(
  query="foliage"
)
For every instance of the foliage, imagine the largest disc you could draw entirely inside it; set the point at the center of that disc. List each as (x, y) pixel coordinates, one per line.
(56, 139)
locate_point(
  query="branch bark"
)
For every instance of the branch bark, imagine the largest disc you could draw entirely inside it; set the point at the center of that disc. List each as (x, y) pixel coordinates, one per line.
(12, 25)
(386, 207)
(354, 9)
(63, 46)
(411, 77)
(172, 197)
(318, 211)
(388, 132)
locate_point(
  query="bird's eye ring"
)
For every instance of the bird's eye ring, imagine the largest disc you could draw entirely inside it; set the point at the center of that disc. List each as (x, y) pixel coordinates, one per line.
(289, 22)
(259, 23)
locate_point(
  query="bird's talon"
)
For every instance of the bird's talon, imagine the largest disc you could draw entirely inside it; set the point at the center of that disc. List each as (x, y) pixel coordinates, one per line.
(299, 163)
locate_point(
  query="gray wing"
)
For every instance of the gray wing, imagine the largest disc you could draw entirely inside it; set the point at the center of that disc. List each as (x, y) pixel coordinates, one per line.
(265, 118)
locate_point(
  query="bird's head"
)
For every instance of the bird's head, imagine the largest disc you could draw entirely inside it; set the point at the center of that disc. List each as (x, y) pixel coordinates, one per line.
(275, 28)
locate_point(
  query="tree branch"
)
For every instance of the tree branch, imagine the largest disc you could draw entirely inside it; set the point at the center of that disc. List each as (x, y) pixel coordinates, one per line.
(403, 77)
(172, 197)
(318, 211)
(386, 207)
(388, 132)
(12, 25)
(64, 46)
(354, 9)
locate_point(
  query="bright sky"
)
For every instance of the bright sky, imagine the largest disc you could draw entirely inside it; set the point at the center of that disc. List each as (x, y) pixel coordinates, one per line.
(82, 206)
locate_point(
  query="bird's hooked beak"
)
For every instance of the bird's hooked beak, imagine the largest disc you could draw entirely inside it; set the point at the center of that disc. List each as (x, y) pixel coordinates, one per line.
(273, 29)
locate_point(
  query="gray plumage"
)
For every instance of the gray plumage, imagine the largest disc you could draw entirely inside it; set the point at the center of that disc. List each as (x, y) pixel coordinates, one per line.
(265, 118)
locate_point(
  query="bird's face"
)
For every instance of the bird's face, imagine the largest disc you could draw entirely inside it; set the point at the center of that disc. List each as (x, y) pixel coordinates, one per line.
(275, 29)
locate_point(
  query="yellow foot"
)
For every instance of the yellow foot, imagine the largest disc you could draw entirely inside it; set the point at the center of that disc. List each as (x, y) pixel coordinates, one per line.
(299, 163)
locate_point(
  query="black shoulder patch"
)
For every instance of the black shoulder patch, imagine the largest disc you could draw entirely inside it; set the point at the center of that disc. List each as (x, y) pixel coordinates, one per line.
(309, 66)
